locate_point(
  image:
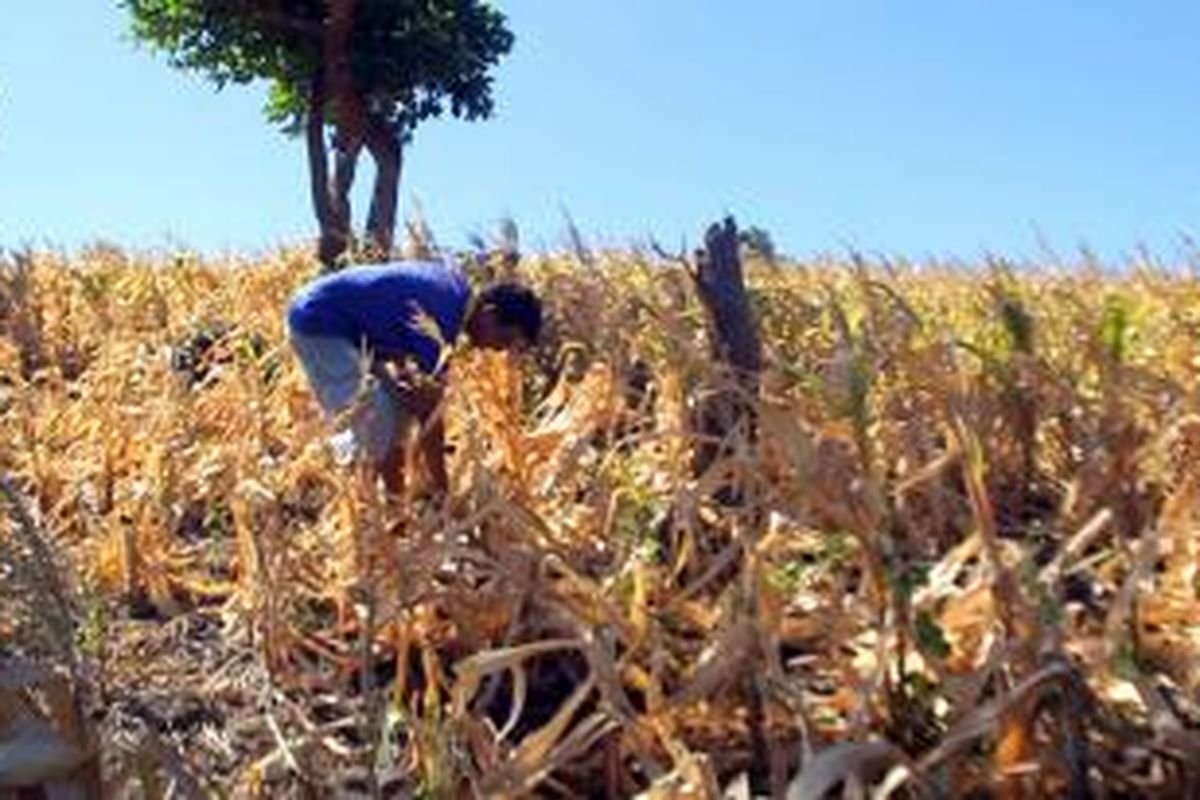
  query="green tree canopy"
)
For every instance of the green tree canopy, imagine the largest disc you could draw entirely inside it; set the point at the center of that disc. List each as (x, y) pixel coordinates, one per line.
(370, 70)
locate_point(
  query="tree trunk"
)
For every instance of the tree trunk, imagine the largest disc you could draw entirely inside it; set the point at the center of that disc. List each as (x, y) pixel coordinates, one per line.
(330, 198)
(348, 116)
(349, 113)
(333, 240)
(345, 163)
(733, 331)
(384, 144)
(725, 414)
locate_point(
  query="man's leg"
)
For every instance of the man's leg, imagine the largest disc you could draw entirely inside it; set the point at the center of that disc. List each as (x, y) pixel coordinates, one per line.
(391, 469)
(380, 430)
(334, 371)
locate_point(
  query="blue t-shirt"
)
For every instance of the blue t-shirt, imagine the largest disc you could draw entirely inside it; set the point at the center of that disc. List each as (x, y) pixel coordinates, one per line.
(377, 306)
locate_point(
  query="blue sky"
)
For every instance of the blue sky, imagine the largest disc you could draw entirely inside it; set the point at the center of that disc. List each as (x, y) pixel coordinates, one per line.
(947, 127)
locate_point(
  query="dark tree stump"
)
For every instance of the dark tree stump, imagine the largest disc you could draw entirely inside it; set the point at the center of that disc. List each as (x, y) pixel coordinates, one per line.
(725, 418)
(726, 409)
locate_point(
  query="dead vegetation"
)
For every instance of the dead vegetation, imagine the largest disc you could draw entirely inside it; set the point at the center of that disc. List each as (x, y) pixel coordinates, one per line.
(963, 564)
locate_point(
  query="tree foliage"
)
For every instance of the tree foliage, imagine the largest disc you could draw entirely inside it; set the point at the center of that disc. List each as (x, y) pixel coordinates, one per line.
(371, 69)
(411, 59)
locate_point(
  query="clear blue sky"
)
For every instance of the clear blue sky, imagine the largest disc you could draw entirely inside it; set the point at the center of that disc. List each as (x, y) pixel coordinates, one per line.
(918, 127)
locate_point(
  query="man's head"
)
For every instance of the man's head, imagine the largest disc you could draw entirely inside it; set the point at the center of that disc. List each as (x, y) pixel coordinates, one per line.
(506, 316)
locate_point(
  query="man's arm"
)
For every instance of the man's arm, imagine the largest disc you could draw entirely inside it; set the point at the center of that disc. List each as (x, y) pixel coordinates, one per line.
(421, 396)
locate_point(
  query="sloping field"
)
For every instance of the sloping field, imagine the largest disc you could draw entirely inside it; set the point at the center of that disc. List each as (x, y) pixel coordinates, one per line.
(964, 562)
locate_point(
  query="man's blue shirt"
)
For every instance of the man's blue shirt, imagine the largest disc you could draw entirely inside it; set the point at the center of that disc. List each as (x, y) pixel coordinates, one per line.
(377, 306)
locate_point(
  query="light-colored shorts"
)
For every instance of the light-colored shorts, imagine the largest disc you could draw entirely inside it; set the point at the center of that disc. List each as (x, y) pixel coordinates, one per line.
(337, 372)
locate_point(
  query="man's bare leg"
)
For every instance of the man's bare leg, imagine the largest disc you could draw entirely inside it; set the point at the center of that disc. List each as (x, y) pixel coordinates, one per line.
(391, 469)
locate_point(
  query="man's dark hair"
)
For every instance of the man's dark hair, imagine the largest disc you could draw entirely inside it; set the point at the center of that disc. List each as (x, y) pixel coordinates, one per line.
(516, 306)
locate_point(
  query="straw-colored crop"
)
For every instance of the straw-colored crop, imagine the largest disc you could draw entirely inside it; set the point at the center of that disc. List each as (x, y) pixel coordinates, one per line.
(966, 564)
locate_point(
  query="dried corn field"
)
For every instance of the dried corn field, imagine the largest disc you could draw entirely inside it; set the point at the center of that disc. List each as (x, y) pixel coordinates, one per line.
(962, 561)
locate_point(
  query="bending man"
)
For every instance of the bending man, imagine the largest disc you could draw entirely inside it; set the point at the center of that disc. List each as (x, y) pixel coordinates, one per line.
(393, 322)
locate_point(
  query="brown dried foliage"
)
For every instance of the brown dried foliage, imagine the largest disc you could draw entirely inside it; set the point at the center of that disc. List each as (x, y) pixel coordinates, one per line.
(969, 567)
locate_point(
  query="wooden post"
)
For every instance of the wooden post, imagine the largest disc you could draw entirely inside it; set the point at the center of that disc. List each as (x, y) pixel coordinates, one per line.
(727, 410)
(736, 347)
